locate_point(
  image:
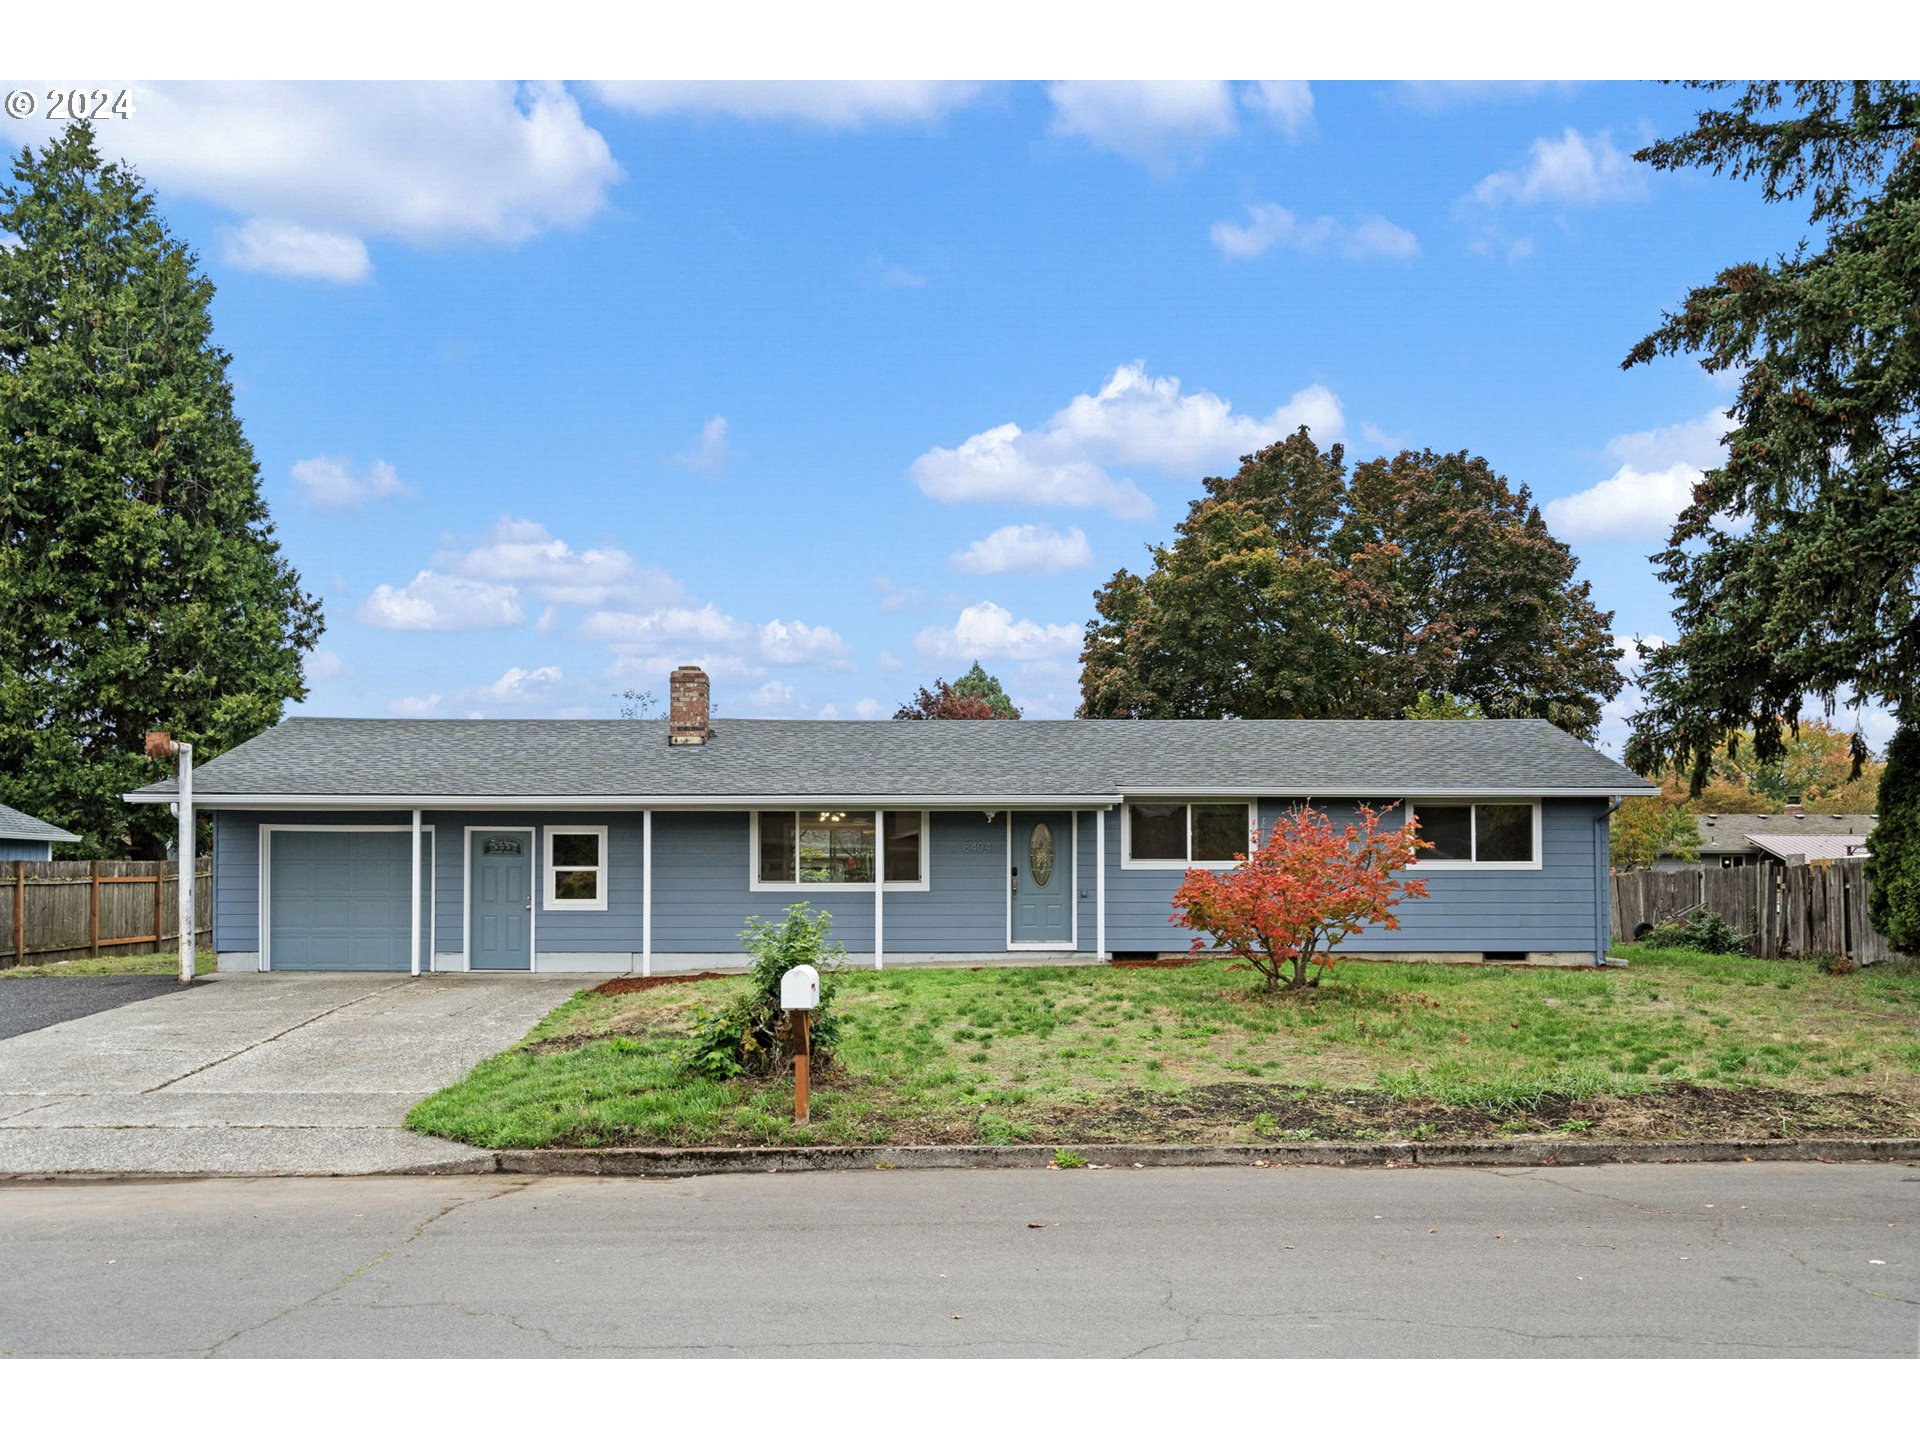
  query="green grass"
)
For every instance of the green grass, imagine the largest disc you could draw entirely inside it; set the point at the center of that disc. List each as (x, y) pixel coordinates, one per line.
(168, 964)
(1047, 1054)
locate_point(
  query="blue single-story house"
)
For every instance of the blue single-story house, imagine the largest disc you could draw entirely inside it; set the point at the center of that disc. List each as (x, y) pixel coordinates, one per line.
(24, 838)
(644, 846)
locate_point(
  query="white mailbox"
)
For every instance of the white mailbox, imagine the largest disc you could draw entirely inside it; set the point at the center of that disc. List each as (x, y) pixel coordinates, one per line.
(800, 988)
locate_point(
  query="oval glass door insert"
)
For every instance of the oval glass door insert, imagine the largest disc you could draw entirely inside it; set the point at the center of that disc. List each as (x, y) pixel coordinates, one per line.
(1040, 855)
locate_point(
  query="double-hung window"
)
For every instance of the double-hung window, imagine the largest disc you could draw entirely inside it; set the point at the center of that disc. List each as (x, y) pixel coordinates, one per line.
(576, 867)
(1173, 835)
(1482, 835)
(793, 849)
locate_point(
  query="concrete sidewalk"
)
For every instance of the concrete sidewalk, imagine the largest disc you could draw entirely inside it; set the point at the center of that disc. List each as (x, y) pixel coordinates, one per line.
(260, 1075)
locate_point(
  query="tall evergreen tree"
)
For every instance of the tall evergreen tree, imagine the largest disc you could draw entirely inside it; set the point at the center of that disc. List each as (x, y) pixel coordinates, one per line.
(1797, 565)
(140, 584)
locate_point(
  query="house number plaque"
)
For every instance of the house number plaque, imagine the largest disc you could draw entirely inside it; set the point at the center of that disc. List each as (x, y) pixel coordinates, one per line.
(497, 846)
(1040, 855)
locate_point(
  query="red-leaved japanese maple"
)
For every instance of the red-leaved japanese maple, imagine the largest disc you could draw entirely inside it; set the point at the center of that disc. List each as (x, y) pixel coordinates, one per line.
(1307, 886)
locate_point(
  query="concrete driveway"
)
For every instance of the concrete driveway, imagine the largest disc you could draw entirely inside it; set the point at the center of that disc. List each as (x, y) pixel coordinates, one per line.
(259, 1075)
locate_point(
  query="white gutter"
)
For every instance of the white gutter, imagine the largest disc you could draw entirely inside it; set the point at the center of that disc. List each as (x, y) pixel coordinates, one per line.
(188, 880)
(647, 802)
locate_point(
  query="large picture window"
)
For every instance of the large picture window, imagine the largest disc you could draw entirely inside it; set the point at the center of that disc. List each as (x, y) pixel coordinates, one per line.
(1177, 834)
(576, 867)
(1488, 833)
(804, 848)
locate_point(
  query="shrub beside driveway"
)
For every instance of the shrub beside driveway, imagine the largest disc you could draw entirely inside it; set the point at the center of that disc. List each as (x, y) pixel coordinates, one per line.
(1681, 1045)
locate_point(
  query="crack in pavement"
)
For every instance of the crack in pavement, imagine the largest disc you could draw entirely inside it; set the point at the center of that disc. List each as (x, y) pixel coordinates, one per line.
(268, 1040)
(512, 1187)
(1792, 1254)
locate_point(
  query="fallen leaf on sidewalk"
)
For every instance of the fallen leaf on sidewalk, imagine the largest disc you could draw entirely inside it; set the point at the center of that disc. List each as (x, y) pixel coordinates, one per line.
(1036, 1224)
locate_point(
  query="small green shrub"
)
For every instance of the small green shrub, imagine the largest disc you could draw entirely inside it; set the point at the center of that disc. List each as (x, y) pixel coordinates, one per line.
(747, 1036)
(1068, 1160)
(1703, 930)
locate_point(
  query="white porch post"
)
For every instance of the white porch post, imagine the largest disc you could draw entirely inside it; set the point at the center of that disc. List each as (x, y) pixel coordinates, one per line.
(187, 881)
(646, 892)
(879, 888)
(413, 912)
(1100, 883)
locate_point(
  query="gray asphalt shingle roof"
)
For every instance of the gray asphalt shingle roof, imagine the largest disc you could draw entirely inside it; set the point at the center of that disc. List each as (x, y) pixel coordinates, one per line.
(1727, 833)
(846, 759)
(15, 825)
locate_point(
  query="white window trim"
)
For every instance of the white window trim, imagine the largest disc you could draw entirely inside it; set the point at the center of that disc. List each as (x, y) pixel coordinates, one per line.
(808, 887)
(600, 872)
(1127, 862)
(1422, 863)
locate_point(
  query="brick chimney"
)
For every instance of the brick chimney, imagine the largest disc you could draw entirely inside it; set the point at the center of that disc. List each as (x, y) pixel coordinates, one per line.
(1794, 808)
(687, 715)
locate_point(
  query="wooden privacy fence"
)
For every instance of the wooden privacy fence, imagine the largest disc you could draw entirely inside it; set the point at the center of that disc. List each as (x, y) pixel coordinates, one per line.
(1819, 908)
(64, 909)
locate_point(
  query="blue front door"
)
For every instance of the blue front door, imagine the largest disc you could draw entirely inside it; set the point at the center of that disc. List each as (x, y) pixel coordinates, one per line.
(1042, 878)
(500, 909)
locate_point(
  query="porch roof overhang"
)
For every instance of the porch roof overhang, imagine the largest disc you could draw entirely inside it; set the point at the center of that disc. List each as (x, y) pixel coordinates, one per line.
(632, 802)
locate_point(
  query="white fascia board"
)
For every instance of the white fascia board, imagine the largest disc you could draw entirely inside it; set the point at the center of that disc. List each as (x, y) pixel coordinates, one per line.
(1389, 792)
(204, 801)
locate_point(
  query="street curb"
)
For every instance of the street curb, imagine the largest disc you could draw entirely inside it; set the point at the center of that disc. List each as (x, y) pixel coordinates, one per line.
(1400, 1154)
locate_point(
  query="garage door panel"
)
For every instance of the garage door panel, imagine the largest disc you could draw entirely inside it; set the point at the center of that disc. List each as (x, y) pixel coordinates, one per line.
(338, 900)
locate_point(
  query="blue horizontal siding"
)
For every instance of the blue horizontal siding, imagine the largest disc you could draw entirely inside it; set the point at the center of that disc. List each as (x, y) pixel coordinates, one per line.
(26, 849)
(702, 897)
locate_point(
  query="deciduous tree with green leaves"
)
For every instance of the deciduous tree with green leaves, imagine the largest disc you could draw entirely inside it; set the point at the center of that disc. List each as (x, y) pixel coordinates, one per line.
(141, 587)
(1297, 590)
(1796, 567)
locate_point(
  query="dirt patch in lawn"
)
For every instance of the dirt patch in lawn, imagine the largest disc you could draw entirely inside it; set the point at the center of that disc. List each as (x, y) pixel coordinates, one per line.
(1238, 1114)
(632, 984)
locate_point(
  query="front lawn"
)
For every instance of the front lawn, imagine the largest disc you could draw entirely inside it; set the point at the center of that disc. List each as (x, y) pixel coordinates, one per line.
(1681, 1044)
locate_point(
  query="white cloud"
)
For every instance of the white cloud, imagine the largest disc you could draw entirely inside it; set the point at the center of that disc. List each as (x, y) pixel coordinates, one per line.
(894, 596)
(665, 627)
(988, 630)
(868, 708)
(835, 104)
(1270, 225)
(1631, 504)
(1288, 103)
(887, 660)
(519, 685)
(1691, 442)
(710, 452)
(522, 552)
(280, 247)
(1133, 420)
(330, 482)
(1029, 549)
(889, 275)
(773, 695)
(1155, 122)
(414, 707)
(1570, 170)
(325, 665)
(1654, 483)
(426, 163)
(432, 601)
(798, 643)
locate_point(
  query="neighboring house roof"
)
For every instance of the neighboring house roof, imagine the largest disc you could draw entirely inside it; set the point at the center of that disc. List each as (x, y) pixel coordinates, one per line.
(930, 760)
(17, 826)
(1812, 847)
(1734, 834)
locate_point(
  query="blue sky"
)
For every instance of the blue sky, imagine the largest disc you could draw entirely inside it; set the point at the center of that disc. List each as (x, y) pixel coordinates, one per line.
(836, 389)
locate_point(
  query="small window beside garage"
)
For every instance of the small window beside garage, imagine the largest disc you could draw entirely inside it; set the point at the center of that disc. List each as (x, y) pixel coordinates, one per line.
(577, 867)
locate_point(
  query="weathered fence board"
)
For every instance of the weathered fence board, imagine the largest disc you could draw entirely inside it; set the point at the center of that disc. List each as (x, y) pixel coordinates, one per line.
(1819, 908)
(63, 909)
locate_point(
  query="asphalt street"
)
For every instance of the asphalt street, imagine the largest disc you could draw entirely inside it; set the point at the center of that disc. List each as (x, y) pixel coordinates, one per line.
(1652, 1260)
(33, 1002)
